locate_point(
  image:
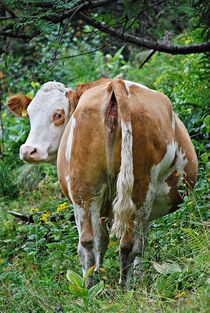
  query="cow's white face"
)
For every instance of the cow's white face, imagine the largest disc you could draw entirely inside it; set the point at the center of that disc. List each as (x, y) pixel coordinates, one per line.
(48, 113)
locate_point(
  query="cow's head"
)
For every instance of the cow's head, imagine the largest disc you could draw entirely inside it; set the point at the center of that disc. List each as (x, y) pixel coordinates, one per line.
(48, 112)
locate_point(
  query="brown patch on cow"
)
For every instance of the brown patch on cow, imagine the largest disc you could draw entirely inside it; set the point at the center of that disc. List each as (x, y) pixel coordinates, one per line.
(80, 89)
(74, 95)
(73, 100)
(18, 104)
(58, 117)
(86, 233)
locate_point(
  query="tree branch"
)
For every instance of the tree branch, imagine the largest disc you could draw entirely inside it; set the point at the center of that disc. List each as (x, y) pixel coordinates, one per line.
(158, 46)
(11, 34)
(78, 10)
(81, 7)
(6, 18)
(55, 19)
(147, 58)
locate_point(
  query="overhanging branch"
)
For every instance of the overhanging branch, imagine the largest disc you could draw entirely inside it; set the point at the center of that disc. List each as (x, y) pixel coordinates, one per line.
(9, 32)
(158, 46)
(79, 8)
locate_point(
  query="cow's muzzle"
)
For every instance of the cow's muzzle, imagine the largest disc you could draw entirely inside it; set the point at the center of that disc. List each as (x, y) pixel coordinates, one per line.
(29, 154)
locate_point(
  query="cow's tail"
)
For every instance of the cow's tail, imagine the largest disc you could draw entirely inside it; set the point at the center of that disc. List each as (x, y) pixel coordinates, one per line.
(123, 205)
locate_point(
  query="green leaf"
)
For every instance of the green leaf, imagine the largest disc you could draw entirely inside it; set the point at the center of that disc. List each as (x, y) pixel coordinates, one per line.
(78, 291)
(74, 278)
(167, 268)
(205, 157)
(207, 123)
(89, 272)
(95, 290)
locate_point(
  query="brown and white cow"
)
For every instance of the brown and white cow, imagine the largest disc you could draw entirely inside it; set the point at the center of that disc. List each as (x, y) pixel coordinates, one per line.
(122, 155)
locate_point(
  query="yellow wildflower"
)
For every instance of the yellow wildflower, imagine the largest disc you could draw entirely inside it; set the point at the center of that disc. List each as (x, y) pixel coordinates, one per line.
(180, 294)
(35, 84)
(188, 40)
(34, 210)
(44, 216)
(1, 260)
(61, 207)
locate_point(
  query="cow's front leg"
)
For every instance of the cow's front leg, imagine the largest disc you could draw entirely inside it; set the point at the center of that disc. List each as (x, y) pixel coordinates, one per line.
(93, 234)
(86, 240)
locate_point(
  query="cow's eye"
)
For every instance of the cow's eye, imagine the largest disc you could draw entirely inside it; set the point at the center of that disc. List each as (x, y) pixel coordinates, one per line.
(57, 116)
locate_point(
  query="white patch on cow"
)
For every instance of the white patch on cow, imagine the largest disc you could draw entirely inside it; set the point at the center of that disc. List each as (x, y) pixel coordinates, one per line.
(158, 188)
(123, 206)
(173, 120)
(130, 83)
(157, 197)
(70, 139)
(181, 161)
(44, 136)
(69, 187)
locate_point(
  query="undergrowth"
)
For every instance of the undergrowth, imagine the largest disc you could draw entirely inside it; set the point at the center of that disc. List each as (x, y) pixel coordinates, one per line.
(35, 258)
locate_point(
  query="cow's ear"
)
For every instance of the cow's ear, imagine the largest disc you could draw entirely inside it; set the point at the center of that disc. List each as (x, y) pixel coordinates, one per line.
(18, 104)
(73, 97)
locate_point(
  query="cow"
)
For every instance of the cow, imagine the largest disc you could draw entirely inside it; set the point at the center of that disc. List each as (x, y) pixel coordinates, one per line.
(122, 157)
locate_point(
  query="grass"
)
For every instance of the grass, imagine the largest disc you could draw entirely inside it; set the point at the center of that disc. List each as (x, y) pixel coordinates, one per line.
(35, 258)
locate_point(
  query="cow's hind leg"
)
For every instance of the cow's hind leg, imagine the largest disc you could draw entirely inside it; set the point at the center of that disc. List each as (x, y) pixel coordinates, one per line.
(126, 246)
(138, 251)
(140, 240)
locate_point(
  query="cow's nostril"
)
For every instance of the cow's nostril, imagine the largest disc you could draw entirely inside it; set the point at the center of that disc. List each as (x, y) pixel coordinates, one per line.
(28, 153)
(34, 151)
